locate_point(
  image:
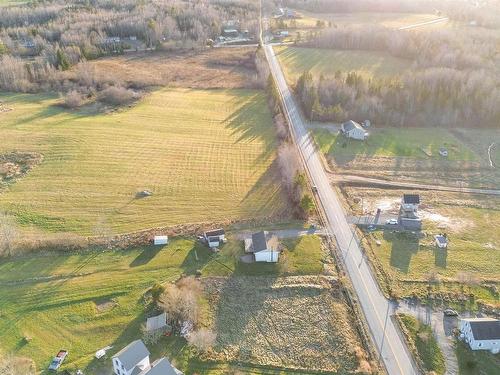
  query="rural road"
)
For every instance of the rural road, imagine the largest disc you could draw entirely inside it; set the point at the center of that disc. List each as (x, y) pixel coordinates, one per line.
(378, 311)
(368, 181)
(442, 19)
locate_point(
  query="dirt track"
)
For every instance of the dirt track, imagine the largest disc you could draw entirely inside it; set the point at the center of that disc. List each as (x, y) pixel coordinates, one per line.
(373, 182)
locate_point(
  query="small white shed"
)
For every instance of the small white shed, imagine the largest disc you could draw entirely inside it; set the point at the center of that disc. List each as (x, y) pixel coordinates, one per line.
(351, 129)
(160, 240)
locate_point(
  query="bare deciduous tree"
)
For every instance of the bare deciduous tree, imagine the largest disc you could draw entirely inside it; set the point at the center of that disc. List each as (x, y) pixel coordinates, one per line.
(203, 339)
(180, 301)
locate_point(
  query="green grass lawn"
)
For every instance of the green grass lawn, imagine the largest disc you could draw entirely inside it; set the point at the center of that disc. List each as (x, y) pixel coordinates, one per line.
(205, 155)
(479, 362)
(296, 60)
(418, 143)
(55, 298)
(426, 345)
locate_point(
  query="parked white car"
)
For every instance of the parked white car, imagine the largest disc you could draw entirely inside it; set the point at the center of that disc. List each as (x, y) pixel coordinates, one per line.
(392, 222)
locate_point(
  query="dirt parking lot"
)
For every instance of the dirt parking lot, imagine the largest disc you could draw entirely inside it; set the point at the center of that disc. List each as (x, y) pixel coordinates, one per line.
(299, 322)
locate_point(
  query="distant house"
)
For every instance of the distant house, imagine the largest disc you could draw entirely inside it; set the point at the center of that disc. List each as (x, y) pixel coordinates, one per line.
(215, 237)
(441, 241)
(264, 247)
(443, 152)
(134, 360)
(351, 129)
(160, 240)
(230, 33)
(481, 333)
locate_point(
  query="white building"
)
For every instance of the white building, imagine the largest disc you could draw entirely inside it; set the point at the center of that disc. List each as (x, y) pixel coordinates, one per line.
(481, 333)
(351, 129)
(264, 247)
(134, 360)
(160, 240)
(215, 237)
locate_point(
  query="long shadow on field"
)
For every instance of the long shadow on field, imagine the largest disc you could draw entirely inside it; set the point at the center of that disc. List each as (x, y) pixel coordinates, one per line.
(146, 256)
(250, 122)
(404, 247)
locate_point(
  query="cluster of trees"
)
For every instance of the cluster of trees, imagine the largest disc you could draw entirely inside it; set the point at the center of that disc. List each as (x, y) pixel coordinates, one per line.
(433, 96)
(39, 38)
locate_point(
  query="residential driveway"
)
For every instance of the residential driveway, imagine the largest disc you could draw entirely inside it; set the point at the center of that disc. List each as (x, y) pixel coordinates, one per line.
(284, 233)
(441, 325)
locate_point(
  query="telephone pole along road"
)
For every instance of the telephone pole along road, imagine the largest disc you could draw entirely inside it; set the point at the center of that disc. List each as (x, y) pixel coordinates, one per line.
(377, 309)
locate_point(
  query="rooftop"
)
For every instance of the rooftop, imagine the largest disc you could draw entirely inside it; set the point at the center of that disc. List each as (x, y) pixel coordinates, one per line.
(411, 199)
(161, 366)
(215, 232)
(349, 125)
(485, 328)
(132, 354)
(156, 322)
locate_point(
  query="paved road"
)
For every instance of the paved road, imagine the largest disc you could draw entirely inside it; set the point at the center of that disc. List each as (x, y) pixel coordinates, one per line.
(369, 181)
(377, 309)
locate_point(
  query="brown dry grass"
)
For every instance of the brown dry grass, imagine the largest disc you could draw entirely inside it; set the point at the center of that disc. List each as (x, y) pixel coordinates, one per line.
(299, 322)
(213, 68)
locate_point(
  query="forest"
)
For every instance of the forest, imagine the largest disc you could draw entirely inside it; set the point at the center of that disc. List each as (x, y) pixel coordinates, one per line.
(42, 38)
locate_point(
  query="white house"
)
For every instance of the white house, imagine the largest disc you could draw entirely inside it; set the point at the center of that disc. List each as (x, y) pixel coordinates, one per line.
(351, 129)
(481, 333)
(160, 240)
(215, 237)
(132, 359)
(264, 247)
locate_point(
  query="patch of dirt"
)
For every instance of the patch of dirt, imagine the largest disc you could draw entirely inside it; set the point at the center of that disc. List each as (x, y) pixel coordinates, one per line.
(299, 322)
(17, 164)
(105, 305)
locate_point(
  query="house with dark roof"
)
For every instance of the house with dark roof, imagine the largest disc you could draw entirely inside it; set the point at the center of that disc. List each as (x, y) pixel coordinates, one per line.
(408, 212)
(481, 333)
(264, 246)
(351, 129)
(134, 360)
(215, 237)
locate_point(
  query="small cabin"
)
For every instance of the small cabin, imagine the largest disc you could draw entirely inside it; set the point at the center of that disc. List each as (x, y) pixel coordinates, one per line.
(215, 237)
(160, 240)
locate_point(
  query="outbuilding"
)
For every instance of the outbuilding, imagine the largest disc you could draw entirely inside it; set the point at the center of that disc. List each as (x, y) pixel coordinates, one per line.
(160, 240)
(481, 333)
(441, 241)
(351, 129)
(215, 237)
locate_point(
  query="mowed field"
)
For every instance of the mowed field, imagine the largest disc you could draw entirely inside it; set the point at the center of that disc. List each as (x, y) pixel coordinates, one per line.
(297, 60)
(86, 301)
(206, 155)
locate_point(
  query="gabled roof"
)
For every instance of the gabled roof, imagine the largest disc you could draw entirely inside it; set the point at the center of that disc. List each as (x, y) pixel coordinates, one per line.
(156, 322)
(441, 239)
(132, 354)
(411, 198)
(485, 328)
(349, 125)
(259, 241)
(215, 232)
(160, 367)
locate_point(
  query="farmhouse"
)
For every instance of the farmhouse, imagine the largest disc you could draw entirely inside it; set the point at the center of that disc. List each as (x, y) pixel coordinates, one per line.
(481, 333)
(264, 247)
(134, 360)
(215, 237)
(351, 129)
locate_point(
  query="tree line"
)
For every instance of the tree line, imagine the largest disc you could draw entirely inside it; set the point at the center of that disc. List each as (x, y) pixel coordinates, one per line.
(433, 97)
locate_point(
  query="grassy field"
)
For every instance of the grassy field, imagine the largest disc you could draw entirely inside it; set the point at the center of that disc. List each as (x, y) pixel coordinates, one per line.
(86, 301)
(418, 143)
(408, 260)
(296, 60)
(422, 337)
(478, 362)
(205, 155)
(391, 20)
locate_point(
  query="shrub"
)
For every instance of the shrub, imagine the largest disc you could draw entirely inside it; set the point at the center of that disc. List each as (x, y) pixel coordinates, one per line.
(202, 339)
(73, 99)
(117, 95)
